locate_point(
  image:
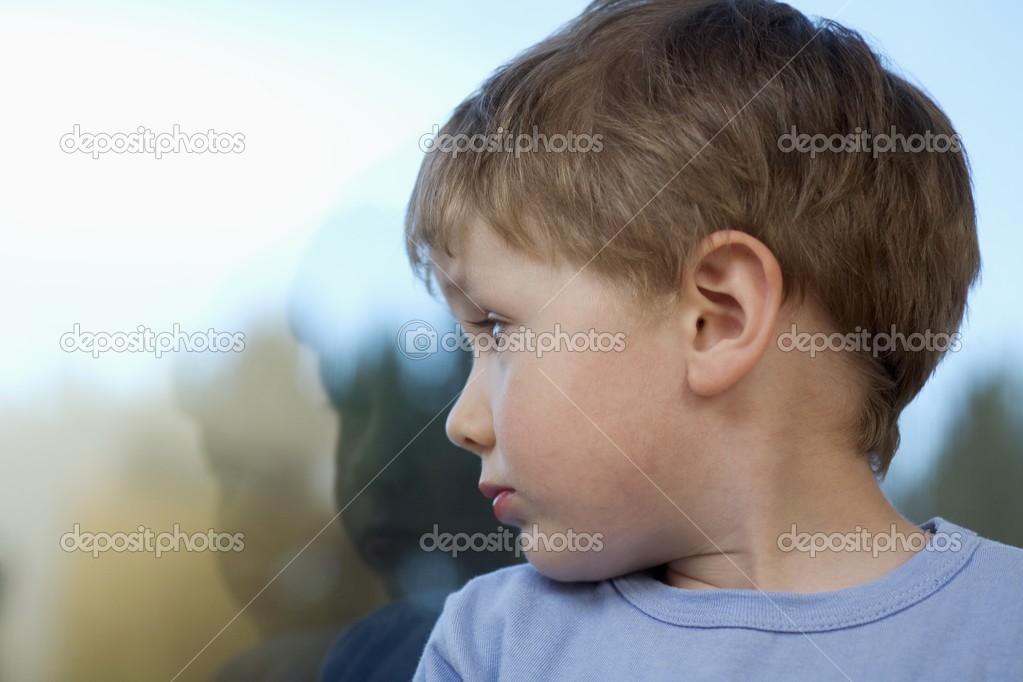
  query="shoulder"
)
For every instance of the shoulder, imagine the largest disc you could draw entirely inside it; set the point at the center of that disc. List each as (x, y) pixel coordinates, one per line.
(1000, 566)
(992, 576)
(996, 554)
(503, 611)
(511, 580)
(985, 555)
(517, 594)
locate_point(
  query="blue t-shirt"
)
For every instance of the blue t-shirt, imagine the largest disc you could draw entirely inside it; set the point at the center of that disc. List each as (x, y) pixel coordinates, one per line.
(952, 614)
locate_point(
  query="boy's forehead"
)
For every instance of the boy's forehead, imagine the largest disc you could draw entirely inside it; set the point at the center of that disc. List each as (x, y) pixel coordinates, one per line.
(481, 267)
(454, 286)
(454, 278)
(449, 271)
(456, 266)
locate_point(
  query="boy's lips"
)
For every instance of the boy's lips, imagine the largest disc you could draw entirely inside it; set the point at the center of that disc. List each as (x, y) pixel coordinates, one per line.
(502, 496)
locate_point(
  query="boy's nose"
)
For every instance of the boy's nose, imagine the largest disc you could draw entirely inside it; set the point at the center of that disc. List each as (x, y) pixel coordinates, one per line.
(470, 423)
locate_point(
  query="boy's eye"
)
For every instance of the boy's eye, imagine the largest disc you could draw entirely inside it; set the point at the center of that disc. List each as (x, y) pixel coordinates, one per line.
(485, 335)
(491, 326)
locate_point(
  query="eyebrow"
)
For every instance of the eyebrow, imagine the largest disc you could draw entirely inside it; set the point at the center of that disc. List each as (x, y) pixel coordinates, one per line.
(458, 287)
(455, 286)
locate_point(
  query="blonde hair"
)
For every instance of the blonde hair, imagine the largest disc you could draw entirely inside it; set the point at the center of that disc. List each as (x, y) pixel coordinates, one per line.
(691, 101)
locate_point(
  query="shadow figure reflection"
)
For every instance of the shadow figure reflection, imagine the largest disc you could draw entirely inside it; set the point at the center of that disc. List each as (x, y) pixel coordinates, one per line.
(267, 446)
(400, 482)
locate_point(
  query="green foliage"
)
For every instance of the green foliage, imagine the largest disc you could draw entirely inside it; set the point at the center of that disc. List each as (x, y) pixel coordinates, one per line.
(977, 480)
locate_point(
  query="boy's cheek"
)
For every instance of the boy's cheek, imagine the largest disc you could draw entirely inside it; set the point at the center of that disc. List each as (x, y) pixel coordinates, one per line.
(528, 408)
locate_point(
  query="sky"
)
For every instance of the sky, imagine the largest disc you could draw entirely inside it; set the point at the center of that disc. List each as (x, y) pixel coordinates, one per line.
(331, 99)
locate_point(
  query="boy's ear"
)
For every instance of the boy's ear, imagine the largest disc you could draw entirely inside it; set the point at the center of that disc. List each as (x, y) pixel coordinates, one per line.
(731, 296)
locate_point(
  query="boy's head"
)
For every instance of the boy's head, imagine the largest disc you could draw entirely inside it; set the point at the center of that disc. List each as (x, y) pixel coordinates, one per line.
(663, 199)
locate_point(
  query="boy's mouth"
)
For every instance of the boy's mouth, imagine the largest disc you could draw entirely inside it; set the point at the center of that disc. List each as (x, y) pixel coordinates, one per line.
(491, 491)
(501, 496)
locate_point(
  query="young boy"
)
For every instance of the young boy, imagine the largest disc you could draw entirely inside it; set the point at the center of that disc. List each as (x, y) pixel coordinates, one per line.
(780, 232)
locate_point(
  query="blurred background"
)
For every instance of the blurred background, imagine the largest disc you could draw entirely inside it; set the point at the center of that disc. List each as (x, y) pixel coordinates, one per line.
(321, 442)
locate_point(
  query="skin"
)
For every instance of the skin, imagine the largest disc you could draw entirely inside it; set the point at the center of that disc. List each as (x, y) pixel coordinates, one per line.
(692, 449)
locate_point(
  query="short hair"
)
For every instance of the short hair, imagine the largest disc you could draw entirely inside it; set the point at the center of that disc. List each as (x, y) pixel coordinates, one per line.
(692, 101)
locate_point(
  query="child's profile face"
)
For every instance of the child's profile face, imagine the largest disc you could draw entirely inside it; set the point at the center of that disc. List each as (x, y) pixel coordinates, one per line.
(587, 440)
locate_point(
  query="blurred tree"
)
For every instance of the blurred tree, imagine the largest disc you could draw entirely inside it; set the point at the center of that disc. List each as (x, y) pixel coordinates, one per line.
(978, 477)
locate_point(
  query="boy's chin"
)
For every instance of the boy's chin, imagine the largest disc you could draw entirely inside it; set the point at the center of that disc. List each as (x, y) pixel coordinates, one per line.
(575, 565)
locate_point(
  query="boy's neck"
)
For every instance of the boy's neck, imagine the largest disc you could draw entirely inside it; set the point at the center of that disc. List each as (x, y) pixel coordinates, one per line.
(847, 501)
